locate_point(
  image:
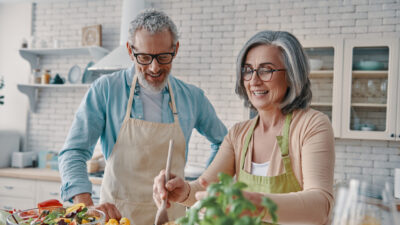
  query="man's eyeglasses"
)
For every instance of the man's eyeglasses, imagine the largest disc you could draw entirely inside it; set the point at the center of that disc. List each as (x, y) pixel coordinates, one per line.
(264, 73)
(147, 59)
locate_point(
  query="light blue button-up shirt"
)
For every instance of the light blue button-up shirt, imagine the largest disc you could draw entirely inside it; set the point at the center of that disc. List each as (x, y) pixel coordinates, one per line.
(102, 112)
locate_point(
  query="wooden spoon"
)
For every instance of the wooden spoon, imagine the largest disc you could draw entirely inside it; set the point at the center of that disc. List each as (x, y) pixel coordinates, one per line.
(162, 214)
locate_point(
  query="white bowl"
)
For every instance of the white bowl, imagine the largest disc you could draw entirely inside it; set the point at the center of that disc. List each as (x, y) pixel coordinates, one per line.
(315, 64)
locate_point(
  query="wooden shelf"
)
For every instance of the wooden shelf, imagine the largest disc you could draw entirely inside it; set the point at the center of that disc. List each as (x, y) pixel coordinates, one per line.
(32, 90)
(321, 74)
(369, 105)
(329, 104)
(370, 74)
(33, 55)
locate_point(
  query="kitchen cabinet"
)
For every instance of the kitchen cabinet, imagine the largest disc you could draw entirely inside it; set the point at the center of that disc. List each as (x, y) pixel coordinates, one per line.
(24, 188)
(46, 190)
(34, 56)
(370, 83)
(326, 77)
(357, 86)
(17, 193)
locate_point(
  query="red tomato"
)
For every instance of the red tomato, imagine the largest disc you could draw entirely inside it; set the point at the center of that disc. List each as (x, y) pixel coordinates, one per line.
(49, 203)
(29, 214)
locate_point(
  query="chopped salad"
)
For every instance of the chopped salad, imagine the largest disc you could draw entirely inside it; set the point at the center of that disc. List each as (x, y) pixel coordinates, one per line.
(52, 212)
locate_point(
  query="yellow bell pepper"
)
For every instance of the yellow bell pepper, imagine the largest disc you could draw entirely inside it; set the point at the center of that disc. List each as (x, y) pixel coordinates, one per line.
(112, 222)
(124, 221)
(74, 208)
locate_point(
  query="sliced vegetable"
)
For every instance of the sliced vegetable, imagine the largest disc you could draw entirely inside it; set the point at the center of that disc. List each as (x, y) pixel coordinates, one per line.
(124, 221)
(49, 203)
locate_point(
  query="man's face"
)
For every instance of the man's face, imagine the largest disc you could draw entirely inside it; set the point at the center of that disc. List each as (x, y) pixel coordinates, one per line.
(154, 75)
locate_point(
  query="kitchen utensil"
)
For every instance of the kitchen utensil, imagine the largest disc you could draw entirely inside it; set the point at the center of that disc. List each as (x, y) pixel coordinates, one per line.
(23, 159)
(162, 214)
(74, 74)
(364, 203)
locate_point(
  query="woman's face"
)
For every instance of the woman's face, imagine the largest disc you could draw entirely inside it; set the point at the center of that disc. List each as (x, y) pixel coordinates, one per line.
(265, 95)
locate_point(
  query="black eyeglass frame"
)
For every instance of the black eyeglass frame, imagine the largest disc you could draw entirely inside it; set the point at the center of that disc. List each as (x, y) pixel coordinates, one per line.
(256, 70)
(152, 57)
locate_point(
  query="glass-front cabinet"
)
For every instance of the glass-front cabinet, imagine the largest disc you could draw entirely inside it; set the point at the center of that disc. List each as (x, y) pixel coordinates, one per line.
(325, 58)
(370, 83)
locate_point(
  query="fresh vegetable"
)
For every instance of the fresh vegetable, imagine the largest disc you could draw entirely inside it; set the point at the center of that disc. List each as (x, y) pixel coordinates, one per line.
(226, 204)
(122, 221)
(49, 203)
(51, 214)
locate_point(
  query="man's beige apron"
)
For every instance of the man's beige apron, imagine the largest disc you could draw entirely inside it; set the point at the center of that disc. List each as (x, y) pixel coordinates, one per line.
(137, 157)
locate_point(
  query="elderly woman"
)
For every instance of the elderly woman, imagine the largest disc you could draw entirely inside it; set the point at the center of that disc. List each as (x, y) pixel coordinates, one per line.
(286, 152)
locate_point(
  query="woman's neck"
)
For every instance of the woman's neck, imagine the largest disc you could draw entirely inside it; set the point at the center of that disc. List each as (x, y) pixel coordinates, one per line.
(271, 120)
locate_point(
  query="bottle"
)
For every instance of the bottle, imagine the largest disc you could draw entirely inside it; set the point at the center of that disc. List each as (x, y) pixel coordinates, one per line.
(36, 78)
(46, 77)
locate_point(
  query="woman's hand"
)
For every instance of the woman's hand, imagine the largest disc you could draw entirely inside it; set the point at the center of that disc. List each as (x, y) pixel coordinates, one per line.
(176, 189)
(202, 194)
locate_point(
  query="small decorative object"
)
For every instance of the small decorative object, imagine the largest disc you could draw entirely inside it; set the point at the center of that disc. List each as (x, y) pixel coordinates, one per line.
(37, 79)
(74, 74)
(46, 77)
(24, 43)
(226, 204)
(91, 35)
(57, 79)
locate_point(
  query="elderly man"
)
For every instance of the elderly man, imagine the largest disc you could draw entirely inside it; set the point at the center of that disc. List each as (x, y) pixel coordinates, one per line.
(136, 112)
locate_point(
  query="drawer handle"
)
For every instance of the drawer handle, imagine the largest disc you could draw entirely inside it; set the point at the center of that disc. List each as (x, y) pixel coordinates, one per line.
(54, 193)
(9, 187)
(7, 207)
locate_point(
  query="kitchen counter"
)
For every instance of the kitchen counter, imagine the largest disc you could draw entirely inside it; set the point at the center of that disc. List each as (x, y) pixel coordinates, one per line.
(38, 174)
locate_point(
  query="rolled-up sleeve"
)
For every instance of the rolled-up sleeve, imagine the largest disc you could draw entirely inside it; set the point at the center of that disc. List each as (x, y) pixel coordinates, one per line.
(88, 125)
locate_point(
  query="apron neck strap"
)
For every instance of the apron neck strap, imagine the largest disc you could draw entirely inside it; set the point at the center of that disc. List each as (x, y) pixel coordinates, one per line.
(131, 94)
(285, 136)
(247, 141)
(283, 141)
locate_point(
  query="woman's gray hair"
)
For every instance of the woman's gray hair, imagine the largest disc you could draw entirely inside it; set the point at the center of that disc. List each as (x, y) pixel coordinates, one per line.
(153, 21)
(298, 95)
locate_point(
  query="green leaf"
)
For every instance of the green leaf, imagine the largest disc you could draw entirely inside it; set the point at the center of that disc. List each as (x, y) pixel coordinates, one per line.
(225, 205)
(272, 208)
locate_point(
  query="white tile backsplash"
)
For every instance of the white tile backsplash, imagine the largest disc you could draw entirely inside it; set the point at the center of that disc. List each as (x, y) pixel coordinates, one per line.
(212, 33)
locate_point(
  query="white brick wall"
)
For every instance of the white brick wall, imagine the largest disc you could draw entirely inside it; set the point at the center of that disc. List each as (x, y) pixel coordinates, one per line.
(212, 33)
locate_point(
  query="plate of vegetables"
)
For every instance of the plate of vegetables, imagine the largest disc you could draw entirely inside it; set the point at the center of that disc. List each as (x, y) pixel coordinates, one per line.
(52, 212)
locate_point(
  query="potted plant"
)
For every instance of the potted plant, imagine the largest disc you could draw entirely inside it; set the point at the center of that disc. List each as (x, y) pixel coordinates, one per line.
(225, 204)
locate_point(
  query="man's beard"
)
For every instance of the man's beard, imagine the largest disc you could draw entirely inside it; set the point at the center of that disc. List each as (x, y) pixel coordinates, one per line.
(149, 86)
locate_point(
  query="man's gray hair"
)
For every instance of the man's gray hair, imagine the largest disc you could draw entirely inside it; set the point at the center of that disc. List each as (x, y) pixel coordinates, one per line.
(298, 95)
(153, 21)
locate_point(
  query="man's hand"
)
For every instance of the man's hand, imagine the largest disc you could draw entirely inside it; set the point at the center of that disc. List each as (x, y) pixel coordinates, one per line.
(83, 198)
(109, 209)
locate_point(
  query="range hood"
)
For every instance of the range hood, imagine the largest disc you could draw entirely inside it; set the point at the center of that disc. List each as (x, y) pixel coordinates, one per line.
(119, 58)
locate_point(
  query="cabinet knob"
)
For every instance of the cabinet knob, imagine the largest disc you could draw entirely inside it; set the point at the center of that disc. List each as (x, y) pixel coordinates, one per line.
(54, 193)
(8, 187)
(392, 135)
